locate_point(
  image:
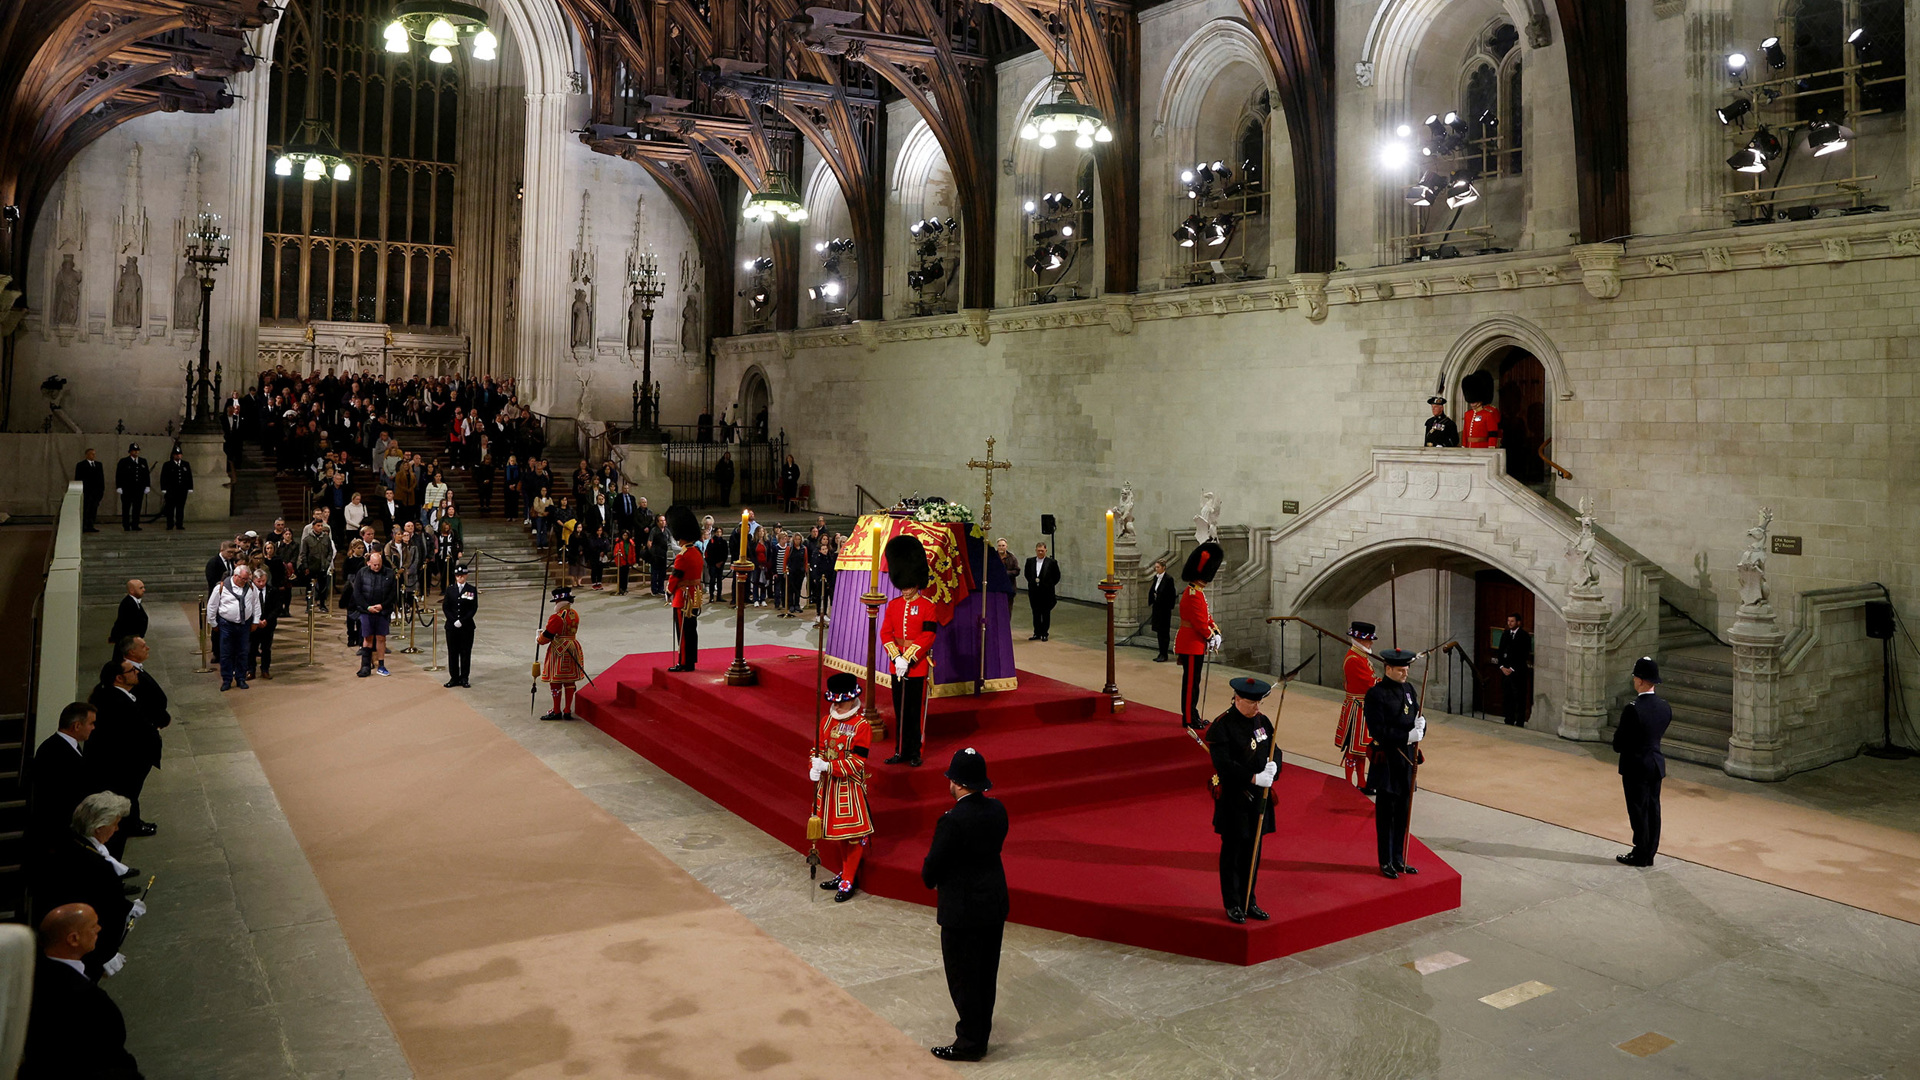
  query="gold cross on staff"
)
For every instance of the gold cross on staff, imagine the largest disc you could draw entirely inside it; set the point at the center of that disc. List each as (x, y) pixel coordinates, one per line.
(986, 508)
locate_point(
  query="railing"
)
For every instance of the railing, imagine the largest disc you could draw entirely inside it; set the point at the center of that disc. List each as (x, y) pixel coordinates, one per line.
(1458, 659)
(1702, 627)
(1549, 462)
(1320, 654)
(861, 497)
(756, 472)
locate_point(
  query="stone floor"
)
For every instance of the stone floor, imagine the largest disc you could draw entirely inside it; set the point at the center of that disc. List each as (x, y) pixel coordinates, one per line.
(1559, 963)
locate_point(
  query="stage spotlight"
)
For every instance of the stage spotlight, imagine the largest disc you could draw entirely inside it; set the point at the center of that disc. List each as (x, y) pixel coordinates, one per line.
(1736, 63)
(1776, 56)
(1826, 137)
(1436, 126)
(1028, 206)
(1747, 160)
(820, 245)
(1734, 110)
(932, 271)
(1489, 123)
(1066, 230)
(1186, 176)
(934, 226)
(1056, 257)
(1221, 172)
(953, 224)
(1046, 234)
(1765, 142)
(1858, 38)
(1395, 155)
(1220, 230)
(920, 226)
(1461, 191)
(1422, 191)
(1189, 230)
(1405, 131)
(1456, 125)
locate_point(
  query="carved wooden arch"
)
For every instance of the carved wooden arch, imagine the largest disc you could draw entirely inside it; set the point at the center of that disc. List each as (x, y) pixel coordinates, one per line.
(1297, 37)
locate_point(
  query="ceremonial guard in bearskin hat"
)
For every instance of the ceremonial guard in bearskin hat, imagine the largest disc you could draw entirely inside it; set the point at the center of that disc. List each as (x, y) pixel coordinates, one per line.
(1198, 633)
(565, 664)
(1396, 724)
(1440, 427)
(1350, 735)
(1245, 762)
(907, 629)
(684, 584)
(839, 772)
(1482, 422)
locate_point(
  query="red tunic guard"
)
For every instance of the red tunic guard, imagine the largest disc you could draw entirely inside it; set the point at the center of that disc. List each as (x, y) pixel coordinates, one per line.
(684, 581)
(1482, 427)
(1350, 735)
(907, 629)
(564, 663)
(1197, 631)
(839, 771)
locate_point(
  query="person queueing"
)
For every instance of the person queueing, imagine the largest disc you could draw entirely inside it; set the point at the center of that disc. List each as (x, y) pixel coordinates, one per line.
(1350, 734)
(907, 629)
(564, 664)
(839, 771)
(1198, 632)
(1482, 421)
(684, 584)
(1239, 741)
(1395, 722)
(459, 602)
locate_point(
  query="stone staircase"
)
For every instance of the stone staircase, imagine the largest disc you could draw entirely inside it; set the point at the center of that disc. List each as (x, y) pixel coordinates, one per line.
(173, 564)
(1697, 680)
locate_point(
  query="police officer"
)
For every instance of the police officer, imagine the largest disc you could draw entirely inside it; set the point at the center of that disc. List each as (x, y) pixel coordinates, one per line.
(1245, 762)
(459, 602)
(963, 864)
(1394, 721)
(1642, 766)
(1441, 430)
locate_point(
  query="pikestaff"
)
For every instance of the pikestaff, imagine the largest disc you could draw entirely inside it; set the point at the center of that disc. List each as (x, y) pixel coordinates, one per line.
(815, 829)
(533, 687)
(1266, 793)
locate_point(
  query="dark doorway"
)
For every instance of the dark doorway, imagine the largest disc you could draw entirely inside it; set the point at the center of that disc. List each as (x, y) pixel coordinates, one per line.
(1495, 597)
(1523, 414)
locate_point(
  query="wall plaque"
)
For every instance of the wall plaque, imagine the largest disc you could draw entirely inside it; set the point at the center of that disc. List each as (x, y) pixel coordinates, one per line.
(1292, 506)
(1786, 545)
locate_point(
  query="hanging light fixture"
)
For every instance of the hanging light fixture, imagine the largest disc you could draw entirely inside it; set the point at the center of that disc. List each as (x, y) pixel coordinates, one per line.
(440, 24)
(777, 202)
(315, 152)
(1066, 116)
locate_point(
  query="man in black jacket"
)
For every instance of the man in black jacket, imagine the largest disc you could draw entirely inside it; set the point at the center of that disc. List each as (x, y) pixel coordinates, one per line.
(132, 479)
(1514, 658)
(131, 620)
(176, 480)
(373, 596)
(1043, 575)
(458, 603)
(152, 698)
(75, 1030)
(1164, 596)
(62, 776)
(963, 863)
(1394, 720)
(1642, 766)
(125, 746)
(1240, 742)
(93, 487)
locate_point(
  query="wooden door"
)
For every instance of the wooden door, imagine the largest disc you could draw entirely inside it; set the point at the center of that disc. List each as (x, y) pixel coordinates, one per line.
(1495, 597)
(1523, 415)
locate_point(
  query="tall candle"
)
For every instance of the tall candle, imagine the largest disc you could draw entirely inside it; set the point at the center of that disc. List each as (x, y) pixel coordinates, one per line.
(1109, 543)
(873, 573)
(741, 551)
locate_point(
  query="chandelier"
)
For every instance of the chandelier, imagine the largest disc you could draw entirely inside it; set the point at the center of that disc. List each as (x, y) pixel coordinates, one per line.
(1066, 115)
(777, 202)
(316, 152)
(440, 24)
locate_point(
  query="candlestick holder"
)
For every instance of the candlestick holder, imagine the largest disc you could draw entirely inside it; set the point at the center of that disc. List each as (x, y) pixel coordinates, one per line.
(1110, 586)
(871, 708)
(740, 673)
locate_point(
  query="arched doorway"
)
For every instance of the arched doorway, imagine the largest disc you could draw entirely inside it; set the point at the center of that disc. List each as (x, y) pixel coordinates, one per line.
(1522, 400)
(756, 400)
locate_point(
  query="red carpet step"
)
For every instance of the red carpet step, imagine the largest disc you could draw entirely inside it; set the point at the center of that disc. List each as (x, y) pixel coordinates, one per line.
(1111, 834)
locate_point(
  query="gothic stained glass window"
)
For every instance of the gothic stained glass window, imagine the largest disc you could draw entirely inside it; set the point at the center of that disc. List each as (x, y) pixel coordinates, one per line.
(379, 247)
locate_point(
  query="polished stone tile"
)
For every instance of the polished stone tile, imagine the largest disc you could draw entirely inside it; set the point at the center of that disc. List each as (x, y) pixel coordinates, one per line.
(1643, 946)
(1035, 1010)
(190, 979)
(341, 1035)
(307, 960)
(1145, 984)
(280, 896)
(864, 940)
(1704, 1046)
(1491, 888)
(1822, 1009)
(1862, 942)
(1129, 1052)
(243, 1045)
(640, 800)
(238, 806)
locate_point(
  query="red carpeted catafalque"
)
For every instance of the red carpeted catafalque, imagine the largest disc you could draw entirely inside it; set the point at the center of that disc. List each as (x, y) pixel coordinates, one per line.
(1111, 835)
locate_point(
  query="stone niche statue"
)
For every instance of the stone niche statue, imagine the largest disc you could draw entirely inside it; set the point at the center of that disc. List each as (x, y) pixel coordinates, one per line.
(186, 300)
(1752, 567)
(691, 345)
(1206, 523)
(582, 320)
(636, 324)
(66, 293)
(1123, 517)
(127, 294)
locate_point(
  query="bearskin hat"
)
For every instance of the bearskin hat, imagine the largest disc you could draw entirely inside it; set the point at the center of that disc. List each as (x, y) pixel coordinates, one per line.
(682, 525)
(906, 563)
(1203, 562)
(1477, 388)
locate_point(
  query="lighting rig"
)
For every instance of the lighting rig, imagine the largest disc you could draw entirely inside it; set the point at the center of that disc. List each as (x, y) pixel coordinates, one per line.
(1058, 225)
(759, 293)
(933, 248)
(1451, 156)
(1216, 200)
(832, 291)
(1808, 112)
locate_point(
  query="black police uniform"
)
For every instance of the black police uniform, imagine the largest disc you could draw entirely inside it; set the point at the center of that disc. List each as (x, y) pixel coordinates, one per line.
(1643, 723)
(1238, 745)
(1390, 711)
(458, 603)
(963, 863)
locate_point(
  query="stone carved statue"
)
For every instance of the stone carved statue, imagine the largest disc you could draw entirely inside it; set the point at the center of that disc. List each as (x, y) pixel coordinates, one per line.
(636, 323)
(1123, 517)
(1206, 523)
(66, 293)
(127, 294)
(186, 301)
(692, 346)
(582, 320)
(1752, 566)
(1585, 579)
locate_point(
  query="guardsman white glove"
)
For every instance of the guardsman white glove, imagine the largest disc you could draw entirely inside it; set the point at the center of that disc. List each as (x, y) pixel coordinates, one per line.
(1214, 643)
(1264, 778)
(113, 966)
(1419, 729)
(818, 769)
(139, 908)
(900, 666)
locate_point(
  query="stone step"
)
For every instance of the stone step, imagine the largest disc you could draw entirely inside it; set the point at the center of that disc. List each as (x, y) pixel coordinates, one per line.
(1704, 661)
(1713, 699)
(1698, 744)
(1703, 717)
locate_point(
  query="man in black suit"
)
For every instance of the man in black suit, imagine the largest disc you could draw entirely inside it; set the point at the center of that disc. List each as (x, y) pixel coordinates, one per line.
(131, 620)
(385, 512)
(1642, 766)
(93, 487)
(459, 602)
(132, 479)
(1514, 658)
(623, 506)
(62, 775)
(153, 708)
(75, 1030)
(125, 746)
(176, 480)
(219, 569)
(963, 863)
(1163, 595)
(1042, 575)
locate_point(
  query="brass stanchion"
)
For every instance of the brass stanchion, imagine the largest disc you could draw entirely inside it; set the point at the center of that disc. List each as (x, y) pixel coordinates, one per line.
(1110, 586)
(411, 648)
(433, 639)
(309, 661)
(204, 667)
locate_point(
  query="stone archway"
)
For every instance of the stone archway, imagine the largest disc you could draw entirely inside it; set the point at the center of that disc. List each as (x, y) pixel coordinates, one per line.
(1463, 503)
(756, 406)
